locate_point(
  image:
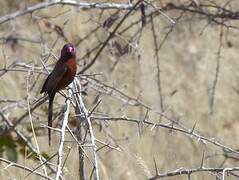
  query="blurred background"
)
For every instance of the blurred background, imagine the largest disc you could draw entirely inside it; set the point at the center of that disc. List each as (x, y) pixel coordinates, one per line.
(179, 59)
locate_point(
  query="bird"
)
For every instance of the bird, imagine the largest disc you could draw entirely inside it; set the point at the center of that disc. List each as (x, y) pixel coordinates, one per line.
(60, 77)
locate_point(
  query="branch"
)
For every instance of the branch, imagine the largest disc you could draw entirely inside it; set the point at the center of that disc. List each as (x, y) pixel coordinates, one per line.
(109, 37)
(84, 111)
(182, 171)
(216, 78)
(159, 83)
(24, 168)
(24, 139)
(62, 134)
(36, 105)
(189, 132)
(82, 5)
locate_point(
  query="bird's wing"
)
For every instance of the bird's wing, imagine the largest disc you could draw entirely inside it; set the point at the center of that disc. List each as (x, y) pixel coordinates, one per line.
(54, 78)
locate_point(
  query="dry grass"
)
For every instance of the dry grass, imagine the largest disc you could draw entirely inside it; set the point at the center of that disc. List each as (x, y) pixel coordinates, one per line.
(187, 63)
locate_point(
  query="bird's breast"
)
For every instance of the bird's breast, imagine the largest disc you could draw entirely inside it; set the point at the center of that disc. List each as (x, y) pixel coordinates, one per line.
(69, 75)
(72, 67)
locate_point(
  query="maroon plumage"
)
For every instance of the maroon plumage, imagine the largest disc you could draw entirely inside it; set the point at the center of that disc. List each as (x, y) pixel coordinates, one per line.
(61, 76)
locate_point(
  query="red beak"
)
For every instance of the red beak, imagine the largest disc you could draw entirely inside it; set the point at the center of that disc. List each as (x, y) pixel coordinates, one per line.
(70, 49)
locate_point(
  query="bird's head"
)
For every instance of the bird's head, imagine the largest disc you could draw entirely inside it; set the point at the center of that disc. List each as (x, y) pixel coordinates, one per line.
(68, 51)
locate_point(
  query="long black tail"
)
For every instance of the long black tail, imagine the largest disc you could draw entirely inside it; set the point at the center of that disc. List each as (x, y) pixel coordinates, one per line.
(50, 110)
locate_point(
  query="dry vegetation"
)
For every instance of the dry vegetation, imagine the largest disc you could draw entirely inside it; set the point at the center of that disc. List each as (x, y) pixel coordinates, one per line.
(165, 95)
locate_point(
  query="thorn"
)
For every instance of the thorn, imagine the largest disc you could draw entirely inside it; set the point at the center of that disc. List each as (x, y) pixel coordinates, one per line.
(156, 168)
(194, 126)
(146, 115)
(90, 113)
(202, 162)
(106, 145)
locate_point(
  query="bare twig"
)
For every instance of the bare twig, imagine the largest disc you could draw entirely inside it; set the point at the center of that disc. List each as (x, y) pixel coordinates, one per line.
(84, 111)
(62, 134)
(189, 132)
(83, 5)
(183, 171)
(32, 127)
(24, 168)
(23, 138)
(158, 65)
(109, 37)
(214, 85)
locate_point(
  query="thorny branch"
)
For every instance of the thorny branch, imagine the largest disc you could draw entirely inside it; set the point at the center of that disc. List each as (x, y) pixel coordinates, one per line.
(83, 5)
(86, 117)
(189, 172)
(62, 135)
(224, 16)
(23, 167)
(189, 132)
(109, 37)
